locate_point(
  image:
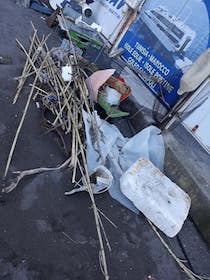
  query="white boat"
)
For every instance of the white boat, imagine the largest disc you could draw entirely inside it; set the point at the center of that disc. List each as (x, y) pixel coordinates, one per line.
(173, 33)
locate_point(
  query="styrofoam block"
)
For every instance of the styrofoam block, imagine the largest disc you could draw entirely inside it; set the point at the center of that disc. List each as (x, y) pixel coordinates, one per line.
(67, 73)
(156, 196)
(113, 96)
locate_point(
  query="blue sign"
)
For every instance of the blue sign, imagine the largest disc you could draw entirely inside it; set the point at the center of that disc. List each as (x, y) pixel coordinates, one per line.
(117, 3)
(164, 40)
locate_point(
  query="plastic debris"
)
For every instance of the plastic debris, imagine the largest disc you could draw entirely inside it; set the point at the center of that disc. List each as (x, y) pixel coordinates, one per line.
(99, 78)
(80, 22)
(112, 96)
(156, 196)
(101, 181)
(61, 106)
(148, 144)
(107, 91)
(96, 27)
(120, 86)
(120, 153)
(67, 73)
(44, 77)
(38, 105)
(111, 111)
(103, 178)
(55, 3)
(65, 50)
(96, 80)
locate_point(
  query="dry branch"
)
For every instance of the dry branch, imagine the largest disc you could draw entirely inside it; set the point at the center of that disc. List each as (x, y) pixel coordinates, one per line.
(25, 173)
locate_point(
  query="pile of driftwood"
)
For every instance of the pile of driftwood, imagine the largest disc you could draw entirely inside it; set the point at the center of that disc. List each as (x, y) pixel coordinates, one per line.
(62, 105)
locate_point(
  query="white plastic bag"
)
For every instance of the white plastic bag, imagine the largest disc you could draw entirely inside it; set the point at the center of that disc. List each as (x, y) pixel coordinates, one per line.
(119, 153)
(147, 144)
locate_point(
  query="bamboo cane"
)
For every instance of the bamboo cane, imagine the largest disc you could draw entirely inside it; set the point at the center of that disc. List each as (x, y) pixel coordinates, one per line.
(23, 117)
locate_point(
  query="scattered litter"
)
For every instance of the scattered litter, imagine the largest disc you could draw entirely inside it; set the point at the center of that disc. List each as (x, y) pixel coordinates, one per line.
(38, 105)
(44, 77)
(62, 104)
(103, 157)
(108, 91)
(111, 111)
(50, 101)
(120, 153)
(96, 80)
(102, 177)
(81, 33)
(85, 39)
(156, 196)
(120, 85)
(96, 27)
(112, 96)
(101, 181)
(55, 3)
(148, 144)
(62, 53)
(67, 73)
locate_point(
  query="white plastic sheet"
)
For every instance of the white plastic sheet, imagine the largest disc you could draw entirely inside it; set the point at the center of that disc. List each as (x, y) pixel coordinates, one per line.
(147, 144)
